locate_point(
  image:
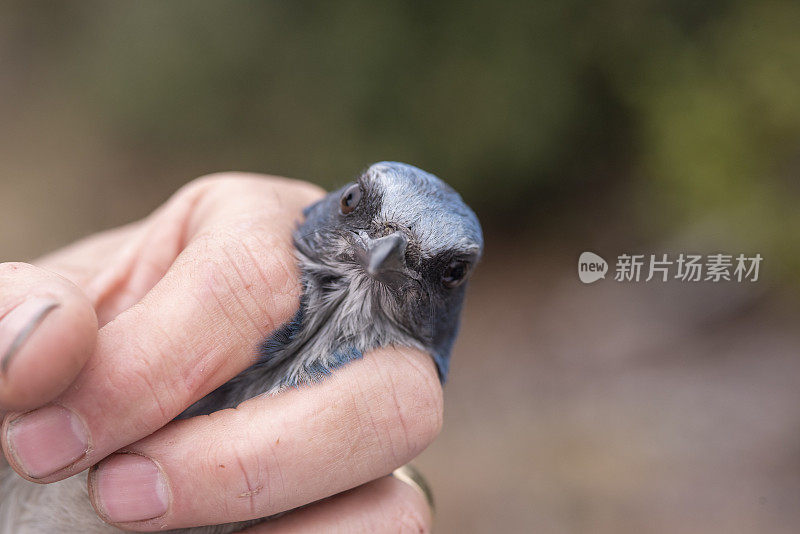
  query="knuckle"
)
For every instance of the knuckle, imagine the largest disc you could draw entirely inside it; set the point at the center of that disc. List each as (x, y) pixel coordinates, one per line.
(250, 276)
(162, 407)
(248, 486)
(13, 272)
(217, 180)
(272, 262)
(241, 477)
(215, 290)
(11, 267)
(300, 188)
(138, 379)
(411, 408)
(263, 193)
(204, 196)
(197, 188)
(272, 188)
(419, 404)
(276, 183)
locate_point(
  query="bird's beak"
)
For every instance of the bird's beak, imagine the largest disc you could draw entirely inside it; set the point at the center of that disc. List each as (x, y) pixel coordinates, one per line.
(385, 255)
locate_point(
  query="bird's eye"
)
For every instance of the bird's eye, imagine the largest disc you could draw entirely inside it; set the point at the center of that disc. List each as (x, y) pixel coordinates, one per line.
(350, 199)
(455, 273)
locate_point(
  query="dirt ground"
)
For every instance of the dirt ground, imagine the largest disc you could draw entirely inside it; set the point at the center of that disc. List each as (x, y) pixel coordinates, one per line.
(615, 408)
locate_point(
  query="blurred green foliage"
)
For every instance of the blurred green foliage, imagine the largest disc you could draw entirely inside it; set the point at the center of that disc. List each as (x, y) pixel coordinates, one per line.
(691, 106)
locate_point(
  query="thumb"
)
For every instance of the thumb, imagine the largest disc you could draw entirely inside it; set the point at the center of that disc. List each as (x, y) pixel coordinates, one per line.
(48, 330)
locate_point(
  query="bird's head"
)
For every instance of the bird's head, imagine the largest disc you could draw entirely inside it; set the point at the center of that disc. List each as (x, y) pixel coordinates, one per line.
(404, 239)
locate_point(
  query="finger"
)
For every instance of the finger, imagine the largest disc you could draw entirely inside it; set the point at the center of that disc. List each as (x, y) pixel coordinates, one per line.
(275, 453)
(116, 268)
(80, 262)
(383, 505)
(47, 332)
(199, 326)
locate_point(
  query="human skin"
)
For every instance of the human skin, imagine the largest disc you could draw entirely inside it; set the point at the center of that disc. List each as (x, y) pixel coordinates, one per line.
(152, 316)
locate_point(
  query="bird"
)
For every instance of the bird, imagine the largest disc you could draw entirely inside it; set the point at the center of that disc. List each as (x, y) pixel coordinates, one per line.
(384, 260)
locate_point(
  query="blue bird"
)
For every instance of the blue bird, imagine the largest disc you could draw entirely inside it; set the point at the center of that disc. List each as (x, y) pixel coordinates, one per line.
(384, 261)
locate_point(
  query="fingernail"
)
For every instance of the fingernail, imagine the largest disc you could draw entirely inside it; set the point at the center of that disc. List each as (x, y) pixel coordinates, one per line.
(47, 440)
(18, 325)
(129, 487)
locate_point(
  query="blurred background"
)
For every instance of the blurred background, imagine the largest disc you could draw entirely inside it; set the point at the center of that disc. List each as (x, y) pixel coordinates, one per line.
(615, 126)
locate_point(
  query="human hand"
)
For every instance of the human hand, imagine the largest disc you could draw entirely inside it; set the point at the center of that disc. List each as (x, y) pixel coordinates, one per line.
(182, 299)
